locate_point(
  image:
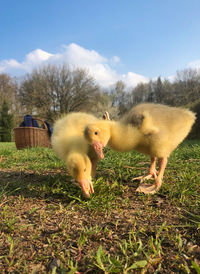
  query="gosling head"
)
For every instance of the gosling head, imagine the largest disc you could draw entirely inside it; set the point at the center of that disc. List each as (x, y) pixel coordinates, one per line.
(79, 167)
(98, 135)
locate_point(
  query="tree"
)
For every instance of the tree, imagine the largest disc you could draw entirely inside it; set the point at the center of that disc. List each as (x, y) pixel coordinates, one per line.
(8, 91)
(104, 104)
(6, 122)
(158, 90)
(117, 93)
(187, 86)
(168, 93)
(195, 132)
(141, 93)
(120, 97)
(52, 90)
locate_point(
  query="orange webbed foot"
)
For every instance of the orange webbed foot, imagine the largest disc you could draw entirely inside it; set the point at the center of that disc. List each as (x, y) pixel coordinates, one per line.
(150, 189)
(147, 189)
(152, 175)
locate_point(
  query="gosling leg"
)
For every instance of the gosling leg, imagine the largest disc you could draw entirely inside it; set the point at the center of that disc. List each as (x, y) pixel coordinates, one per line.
(152, 172)
(94, 162)
(151, 189)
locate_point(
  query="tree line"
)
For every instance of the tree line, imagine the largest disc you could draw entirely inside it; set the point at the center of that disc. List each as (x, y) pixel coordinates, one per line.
(51, 91)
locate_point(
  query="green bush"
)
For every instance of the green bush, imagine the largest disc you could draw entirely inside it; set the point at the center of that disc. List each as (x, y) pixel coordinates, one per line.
(195, 132)
(6, 123)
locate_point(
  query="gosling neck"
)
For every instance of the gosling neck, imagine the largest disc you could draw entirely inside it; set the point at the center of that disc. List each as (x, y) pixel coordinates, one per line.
(123, 137)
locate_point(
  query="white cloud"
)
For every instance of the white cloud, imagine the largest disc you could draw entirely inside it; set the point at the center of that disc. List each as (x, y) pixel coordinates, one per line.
(195, 64)
(33, 59)
(192, 65)
(79, 55)
(171, 78)
(132, 79)
(6, 64)
(74, 55)
(36, 57)
(114, 60)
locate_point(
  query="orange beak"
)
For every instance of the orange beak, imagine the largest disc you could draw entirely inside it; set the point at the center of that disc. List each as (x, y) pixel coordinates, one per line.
(87, 187)
(98, 147)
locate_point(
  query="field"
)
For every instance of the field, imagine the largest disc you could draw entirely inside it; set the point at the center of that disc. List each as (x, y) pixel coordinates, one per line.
(47, 226)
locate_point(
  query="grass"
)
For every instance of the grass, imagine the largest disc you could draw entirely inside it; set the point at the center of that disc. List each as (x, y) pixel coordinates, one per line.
(47, 226)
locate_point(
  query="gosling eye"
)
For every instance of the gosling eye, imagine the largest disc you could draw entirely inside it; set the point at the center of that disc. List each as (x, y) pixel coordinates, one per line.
(96, 133)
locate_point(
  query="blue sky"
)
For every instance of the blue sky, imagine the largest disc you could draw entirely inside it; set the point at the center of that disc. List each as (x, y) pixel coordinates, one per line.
(128, 40)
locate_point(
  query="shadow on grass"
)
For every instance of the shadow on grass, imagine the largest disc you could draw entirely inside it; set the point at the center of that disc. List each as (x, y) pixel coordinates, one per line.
(59, 188)
(41, 186)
